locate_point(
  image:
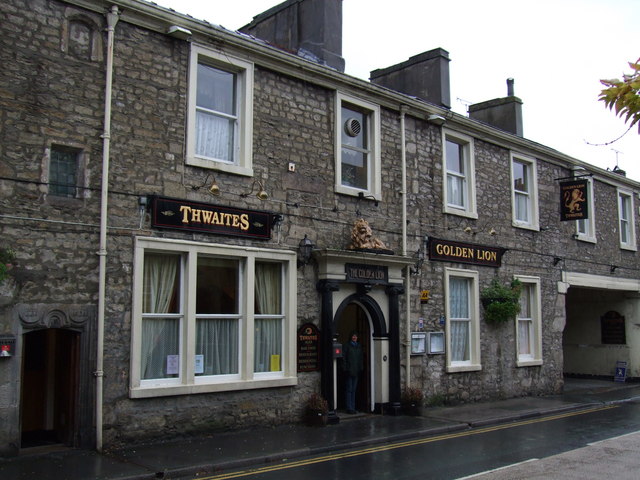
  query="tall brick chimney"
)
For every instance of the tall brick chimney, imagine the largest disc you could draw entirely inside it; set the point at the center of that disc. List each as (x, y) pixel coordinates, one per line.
(308, 28)
(503, 113)
(425, 76)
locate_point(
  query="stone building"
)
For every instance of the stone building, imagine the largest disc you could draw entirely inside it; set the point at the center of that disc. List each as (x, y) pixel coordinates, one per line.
(180, 201)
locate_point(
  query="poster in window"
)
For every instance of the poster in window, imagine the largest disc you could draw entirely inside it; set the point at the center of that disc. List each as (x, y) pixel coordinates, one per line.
(199, 367)
(173, 364)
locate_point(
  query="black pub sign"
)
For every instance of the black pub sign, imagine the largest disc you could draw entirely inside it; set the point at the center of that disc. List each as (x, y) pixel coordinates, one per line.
(357, 273)
(573, 200)
(308, 348)
(458, 252)
(203, 217)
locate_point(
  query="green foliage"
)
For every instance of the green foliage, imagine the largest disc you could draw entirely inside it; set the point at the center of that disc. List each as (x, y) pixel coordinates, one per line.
(623, 96)
(501, 302)
(6, 257)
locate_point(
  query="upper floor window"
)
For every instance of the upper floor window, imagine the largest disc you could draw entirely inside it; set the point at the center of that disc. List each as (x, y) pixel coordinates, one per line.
(211, 318)
(524, 193)
(627, 223)
(357, 147)
(463, 320)
(459, 176)
(220, 116)
(64, 166)
(529, 323)
(586, 228)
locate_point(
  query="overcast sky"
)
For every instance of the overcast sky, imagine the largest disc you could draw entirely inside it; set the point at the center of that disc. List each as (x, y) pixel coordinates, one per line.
(556, 51)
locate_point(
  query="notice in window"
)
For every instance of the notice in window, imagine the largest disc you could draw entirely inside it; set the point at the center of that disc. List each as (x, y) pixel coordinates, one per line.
(275, 363)
(199, 367)
(173, 364)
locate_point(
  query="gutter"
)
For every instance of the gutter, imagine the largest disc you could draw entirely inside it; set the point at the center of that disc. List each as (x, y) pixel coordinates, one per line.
(112, 20)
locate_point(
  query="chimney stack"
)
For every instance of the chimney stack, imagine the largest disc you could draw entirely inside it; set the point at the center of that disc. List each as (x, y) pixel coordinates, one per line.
(309, 28)
(503, 113)
(425, 76)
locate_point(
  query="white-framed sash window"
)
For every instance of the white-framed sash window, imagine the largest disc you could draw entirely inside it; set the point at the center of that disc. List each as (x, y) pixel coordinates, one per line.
(462, 320)
(211, 318)
(529, 323)
(459, 189)
(524, 192)
(626, 220)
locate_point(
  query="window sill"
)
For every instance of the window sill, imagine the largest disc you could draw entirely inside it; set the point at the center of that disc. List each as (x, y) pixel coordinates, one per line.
(526, 226)
(463, 368)
(220, 166)
(584, 238)
(529, 363)
(631, 248)
(460, 212)
(168, 390)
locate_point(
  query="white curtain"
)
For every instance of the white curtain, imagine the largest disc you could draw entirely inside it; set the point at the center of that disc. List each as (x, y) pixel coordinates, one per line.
(214, 136)
(525, 323)
(522, 207)
(268, 331)
(217, 341)
(160, 336)
(455, 190)
(460, 321)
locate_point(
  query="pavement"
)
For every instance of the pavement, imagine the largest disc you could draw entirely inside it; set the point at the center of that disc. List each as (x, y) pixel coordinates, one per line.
(258, 447)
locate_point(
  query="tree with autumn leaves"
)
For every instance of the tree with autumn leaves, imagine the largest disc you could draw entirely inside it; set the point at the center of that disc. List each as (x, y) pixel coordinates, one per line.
(623, 95)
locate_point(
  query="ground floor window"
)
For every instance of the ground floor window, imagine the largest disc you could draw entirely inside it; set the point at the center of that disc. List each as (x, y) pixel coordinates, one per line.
(528, 323)
(462, 317)
(211, 318)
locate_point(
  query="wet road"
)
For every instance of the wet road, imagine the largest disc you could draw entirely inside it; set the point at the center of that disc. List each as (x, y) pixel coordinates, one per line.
(459, 454)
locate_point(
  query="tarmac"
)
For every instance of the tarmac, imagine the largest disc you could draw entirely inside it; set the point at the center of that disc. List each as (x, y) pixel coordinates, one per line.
(258, 447)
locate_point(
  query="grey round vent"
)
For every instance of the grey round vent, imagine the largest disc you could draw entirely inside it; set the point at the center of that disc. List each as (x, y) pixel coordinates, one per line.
(352, 127)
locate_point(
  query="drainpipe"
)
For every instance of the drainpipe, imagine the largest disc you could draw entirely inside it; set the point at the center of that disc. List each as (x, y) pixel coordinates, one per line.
(407, 275)
(112, 19)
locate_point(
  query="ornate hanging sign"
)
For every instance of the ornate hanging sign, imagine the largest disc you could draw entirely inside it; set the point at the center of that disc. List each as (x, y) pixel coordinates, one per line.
(573, 200)
(207, 218)
(447, 251)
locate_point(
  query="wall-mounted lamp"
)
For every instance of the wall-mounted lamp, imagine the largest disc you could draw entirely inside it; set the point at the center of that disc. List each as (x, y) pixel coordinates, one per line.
(261, 194)
(305, 247)
(493, 232)
(613, 268)
(556, 261)
(214, 189)
(143, 202)
(179, 32)
(421, 255)
(436, 119)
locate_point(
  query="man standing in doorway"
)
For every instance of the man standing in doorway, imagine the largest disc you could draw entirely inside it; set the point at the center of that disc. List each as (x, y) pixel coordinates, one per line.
(353, 365)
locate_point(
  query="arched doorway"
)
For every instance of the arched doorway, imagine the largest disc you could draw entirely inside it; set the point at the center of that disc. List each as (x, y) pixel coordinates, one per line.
(354, 318)
(49, 393)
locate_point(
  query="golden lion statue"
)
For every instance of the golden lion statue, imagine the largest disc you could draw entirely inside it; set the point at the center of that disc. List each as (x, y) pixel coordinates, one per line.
(362, 237)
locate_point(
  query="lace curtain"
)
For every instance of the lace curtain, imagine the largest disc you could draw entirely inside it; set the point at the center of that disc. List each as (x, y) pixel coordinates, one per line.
(460, 318)
(268, 330)
(160, 336)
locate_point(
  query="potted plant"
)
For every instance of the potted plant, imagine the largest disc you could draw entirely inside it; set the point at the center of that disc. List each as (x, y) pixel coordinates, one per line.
(316, 410)
(412, 400)
(501, 302)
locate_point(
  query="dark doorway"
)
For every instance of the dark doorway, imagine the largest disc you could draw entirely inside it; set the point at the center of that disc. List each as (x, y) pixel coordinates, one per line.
(49, 387)
(354, 318)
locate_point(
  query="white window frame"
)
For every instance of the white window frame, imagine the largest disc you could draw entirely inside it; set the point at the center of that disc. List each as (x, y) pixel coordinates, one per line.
(535, 346)
(630, 243)
(187, 382)
(534, 217)
(589, 235)
(374, 182)
(469, 209)
(242, 163)
(473, 364)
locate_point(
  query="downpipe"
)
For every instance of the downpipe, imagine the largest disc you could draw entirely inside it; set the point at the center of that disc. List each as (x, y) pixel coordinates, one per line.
(112, 20)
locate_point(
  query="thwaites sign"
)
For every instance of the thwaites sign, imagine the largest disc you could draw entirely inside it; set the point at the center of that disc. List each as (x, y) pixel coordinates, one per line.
(203, 217)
